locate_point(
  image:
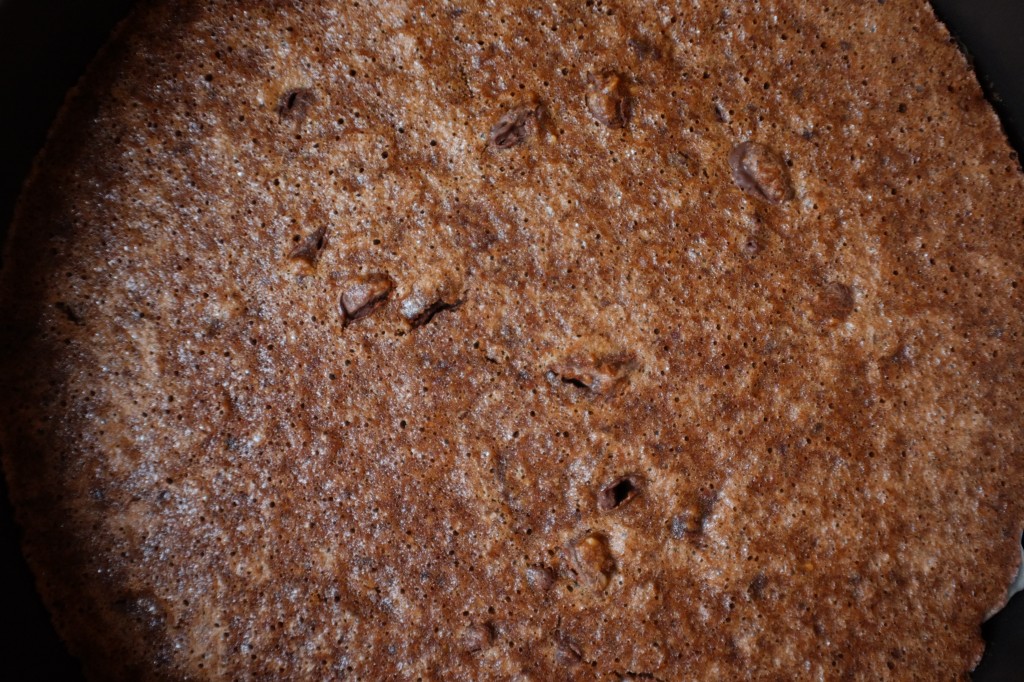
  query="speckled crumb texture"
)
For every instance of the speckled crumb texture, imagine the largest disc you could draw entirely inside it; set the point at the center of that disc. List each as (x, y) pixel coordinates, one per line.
(520, 341)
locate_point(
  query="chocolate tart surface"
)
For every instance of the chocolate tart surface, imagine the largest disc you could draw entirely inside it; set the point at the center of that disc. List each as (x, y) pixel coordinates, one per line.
(572, 341)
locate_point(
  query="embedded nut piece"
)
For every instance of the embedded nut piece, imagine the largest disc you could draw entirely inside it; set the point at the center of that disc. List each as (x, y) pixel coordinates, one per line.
(295, 104)
(517, 124)
(643, 48)
(419, 310)
(308, 250)
(608, 99)
(595, 364)
(687, 523)
(752, 247)
(760, 172)
(618, 492)
(478, 637)
(594, 562)
(432, 293)
(567, 652)
(364, 294)
(757, 585)
(690, 523)
(540, 578)
(835, 301)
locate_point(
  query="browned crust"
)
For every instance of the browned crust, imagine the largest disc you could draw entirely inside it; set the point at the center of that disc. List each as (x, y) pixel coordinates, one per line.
(826, 426)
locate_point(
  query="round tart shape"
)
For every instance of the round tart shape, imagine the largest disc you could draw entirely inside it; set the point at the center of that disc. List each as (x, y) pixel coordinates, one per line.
(573, 341)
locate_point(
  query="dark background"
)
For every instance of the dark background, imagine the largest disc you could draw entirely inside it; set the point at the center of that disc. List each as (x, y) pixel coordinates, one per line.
(46, 44)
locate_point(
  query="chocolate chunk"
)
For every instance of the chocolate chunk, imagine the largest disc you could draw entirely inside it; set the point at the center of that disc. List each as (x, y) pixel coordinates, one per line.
(835, 301)
(308, 250)
(364, 294)
(295, 104)
(516, 125)
(593, 561)
(618, 492)
(760, 172)
(608, 99)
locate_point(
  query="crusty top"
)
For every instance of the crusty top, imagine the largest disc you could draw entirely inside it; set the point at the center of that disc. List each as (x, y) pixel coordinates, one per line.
(530, 341)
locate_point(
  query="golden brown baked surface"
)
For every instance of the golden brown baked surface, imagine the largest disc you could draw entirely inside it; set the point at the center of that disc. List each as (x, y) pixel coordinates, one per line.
(515, 341)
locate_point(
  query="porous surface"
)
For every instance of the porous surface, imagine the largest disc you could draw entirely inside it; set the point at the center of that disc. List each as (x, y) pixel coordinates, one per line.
(476, 341)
